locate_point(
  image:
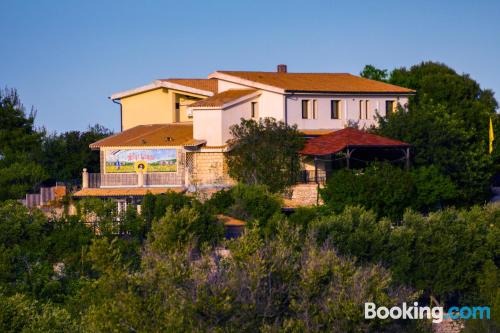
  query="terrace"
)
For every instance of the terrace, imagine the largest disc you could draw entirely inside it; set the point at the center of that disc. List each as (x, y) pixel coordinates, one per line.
(348, 148)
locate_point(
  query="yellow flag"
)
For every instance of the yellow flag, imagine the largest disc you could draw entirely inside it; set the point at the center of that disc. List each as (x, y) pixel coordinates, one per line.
(492, 136)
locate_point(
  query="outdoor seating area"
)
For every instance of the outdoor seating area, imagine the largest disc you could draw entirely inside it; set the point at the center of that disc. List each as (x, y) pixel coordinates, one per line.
(349, 148)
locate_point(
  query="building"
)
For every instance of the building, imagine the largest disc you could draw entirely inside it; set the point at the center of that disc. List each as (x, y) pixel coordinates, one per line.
(175, 131)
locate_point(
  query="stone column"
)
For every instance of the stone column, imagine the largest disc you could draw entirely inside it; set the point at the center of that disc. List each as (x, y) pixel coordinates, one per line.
(85, 178)
(140, 179)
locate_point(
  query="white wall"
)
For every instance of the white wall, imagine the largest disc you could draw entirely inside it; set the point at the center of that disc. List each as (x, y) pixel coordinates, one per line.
(233, 114)
(207, 125)
(349, 110)
(214, 125)
(271, 104)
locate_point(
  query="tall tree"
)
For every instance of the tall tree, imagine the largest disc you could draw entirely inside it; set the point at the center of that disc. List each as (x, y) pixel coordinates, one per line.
(19, 147)
(373, 73)
(447, 123)
(65, 155)
(265, 152)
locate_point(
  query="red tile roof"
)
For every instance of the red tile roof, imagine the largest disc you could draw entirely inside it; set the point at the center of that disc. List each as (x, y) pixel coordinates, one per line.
(230, 221)
(202, 84)
(177, 134)
(223, 98)
(319, 82)
(347, 138)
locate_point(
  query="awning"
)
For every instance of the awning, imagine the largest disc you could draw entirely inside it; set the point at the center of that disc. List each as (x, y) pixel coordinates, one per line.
(348, 137)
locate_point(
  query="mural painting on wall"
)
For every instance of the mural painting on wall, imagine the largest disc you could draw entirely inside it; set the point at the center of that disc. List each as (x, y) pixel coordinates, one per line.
(146, 160)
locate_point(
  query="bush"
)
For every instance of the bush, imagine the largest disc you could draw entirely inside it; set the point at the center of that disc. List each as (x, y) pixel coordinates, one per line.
(221, 201)
(433, 189)
(154, 207)
(254, 202)
(189, 225)
(385, 189)
(443, 254)
(388, 190)
(284, 284)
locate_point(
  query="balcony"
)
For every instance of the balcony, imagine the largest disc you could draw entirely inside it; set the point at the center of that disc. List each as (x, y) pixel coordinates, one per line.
(98, 180)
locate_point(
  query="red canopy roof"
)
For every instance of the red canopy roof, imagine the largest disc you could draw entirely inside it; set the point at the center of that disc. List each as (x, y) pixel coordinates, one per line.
(347, 138)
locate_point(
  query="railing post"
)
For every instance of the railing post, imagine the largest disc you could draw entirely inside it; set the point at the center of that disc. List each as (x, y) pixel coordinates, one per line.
(140, 178)
(85, 178)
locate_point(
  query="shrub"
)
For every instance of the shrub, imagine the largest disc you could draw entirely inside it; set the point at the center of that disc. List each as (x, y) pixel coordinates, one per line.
(443, 253)
(385, 189)
(221, 201)
(388, 190)
(189, 225)
(254, 202)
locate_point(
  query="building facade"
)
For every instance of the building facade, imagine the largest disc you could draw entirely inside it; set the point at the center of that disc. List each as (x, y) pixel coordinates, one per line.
(175, 131)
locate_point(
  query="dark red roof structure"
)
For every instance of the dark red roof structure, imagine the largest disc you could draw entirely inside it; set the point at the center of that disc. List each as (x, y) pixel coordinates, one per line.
(348, 137)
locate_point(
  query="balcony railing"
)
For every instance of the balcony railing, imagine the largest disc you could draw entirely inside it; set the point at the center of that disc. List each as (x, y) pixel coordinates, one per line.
(97, 180)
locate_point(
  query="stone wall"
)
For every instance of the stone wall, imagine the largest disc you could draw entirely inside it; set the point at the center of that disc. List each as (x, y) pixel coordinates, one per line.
(208, 168)
(303, 195)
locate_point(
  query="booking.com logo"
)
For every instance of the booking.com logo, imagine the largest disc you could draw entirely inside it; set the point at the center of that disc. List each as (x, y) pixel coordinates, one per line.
(436, 313)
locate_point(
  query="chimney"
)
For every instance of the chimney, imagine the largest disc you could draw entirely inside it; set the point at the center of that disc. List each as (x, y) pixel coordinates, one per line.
(281, 68)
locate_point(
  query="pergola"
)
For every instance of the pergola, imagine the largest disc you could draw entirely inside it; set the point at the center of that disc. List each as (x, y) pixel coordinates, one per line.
(355, 146)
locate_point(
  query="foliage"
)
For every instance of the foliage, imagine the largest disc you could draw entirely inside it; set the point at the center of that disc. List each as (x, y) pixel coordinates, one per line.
(31, 249)
(373, 73)
(443, 254)
(312, 273)
(19, 148)
(65, 155)
(387, 190)
(265, 152)
(189, 225)
(155, 206)
(280, 285)
(20, 314)
(221, 200)
(447, 123)
(29, 157)
(254, 202)
(432, 187)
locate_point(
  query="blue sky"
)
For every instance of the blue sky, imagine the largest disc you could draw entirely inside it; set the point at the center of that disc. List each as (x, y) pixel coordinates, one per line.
(66, 57)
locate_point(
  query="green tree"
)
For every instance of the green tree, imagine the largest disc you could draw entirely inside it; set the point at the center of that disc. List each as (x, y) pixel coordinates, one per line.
(65, 155)
(18, 313)
(433, 253)
(373, 73)
(447, 123)
(189, 225)
(19, 148)
(388, 190)
(265, 152)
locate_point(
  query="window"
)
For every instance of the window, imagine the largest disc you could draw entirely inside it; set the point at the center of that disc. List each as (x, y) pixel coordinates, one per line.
(363, 108)
(305, 108)
(315, 109)
(389, 107)
(255, 109)
(177, 105)
(335, 109)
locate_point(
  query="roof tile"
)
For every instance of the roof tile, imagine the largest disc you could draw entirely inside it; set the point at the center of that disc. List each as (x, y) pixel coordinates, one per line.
(176, 134)
(202, 84)
(347, 138)
(223, 98)
(319, 82)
